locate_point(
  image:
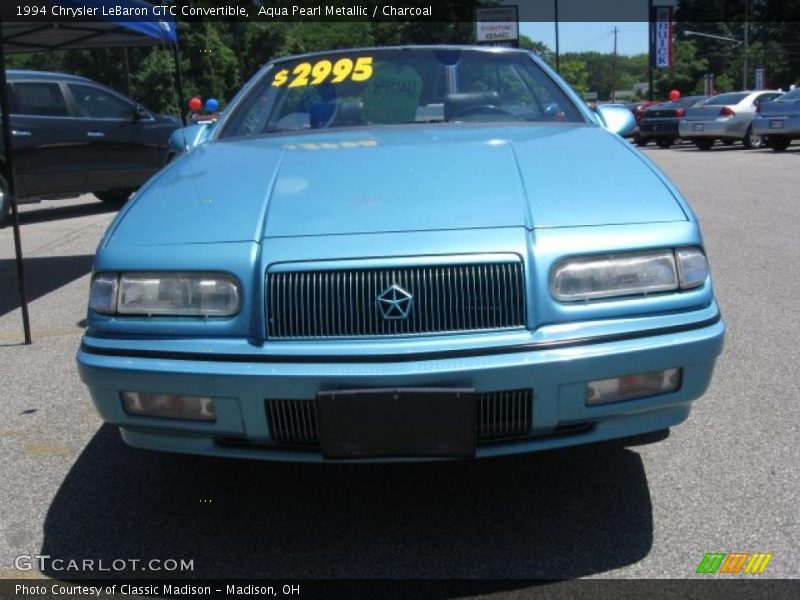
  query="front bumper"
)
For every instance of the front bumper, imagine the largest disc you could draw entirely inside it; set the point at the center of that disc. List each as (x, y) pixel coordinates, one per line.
(557, 375)
(789, 126)
(730, 128)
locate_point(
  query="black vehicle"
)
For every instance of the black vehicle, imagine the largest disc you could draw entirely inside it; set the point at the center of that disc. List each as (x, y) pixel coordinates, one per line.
(74, 136)
(660, 122)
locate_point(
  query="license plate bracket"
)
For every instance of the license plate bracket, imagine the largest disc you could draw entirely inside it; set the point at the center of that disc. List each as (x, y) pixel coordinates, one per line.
(401, 422)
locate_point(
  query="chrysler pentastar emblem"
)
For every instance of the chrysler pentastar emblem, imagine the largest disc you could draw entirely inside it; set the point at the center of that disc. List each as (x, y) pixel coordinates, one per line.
(394, 303)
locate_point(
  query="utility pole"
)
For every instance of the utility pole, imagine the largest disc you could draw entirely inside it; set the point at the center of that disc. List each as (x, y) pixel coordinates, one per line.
(746, 43)
(558, 54)
(614, 69)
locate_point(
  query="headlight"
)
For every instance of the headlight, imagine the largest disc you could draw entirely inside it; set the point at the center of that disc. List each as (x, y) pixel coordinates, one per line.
(588, 277)
(176, 294)
(635, 273)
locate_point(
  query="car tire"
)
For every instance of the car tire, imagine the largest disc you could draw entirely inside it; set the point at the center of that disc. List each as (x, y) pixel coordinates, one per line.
(665, 142)
(642, 141)
(752, 140)
(778, 143)
(5, 202)
(114, 197)
(703, 143)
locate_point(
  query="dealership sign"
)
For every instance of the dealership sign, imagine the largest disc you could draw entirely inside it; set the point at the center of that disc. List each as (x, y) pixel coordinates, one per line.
(663, 46)
(761, 79)
(498, 25)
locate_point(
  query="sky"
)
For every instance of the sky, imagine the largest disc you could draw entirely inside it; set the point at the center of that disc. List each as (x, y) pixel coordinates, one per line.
(586, 25)
(595, 36)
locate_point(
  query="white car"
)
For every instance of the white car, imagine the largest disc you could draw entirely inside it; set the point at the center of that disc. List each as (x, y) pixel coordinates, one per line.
(727, 117)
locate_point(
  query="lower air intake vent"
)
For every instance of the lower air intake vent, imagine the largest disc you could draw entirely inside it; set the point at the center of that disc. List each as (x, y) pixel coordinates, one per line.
(500, 415)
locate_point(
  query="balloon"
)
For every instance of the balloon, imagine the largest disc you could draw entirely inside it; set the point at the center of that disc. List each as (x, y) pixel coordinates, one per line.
(195, 104)
(212, 105)
(674, 95)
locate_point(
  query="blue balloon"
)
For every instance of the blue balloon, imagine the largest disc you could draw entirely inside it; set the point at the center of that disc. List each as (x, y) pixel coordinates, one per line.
(212, 105)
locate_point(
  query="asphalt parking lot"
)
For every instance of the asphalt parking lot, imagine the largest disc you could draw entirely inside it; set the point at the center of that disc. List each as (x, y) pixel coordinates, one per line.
(726, 480)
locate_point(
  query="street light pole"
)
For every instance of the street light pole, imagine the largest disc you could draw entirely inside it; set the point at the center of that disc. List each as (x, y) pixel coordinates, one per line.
(650, 48)
(614, 69)
(746, 43)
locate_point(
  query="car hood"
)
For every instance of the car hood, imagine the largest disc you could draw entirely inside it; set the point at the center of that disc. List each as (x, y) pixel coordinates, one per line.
(413, 178)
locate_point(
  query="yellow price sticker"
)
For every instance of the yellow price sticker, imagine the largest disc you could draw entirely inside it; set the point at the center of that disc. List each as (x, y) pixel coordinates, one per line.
(306, 73)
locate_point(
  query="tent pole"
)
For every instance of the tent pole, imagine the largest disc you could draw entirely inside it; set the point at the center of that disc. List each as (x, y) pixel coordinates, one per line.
(9, 156)
(179, 81)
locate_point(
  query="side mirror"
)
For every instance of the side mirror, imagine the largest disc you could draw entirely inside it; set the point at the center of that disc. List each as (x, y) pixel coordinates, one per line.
(185, 138)
(617, 119)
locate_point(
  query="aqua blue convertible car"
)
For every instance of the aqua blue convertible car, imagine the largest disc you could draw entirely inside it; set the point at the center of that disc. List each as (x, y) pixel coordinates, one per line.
(400, 254)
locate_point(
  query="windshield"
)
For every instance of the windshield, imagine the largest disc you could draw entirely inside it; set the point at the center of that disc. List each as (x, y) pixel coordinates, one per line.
(793, 95)
(399, 86)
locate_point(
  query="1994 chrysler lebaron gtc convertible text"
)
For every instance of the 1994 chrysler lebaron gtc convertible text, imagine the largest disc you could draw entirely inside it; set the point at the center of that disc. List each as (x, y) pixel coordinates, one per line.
(401, 253)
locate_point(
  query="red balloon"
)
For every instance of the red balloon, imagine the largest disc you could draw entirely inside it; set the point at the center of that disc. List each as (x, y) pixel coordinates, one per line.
(195, 104)
(674, 95)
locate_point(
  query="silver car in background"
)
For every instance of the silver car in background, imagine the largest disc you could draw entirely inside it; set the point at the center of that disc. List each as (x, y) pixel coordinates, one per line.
(727, 117)
(779, 120)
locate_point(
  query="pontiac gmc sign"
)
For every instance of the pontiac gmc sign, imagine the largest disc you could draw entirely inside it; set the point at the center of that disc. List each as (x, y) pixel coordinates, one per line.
(497, 26)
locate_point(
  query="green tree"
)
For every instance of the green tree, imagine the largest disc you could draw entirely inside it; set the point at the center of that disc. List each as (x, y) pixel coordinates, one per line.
(154, 83)
(686, 75)
(540, 48)
(315, 36)
(209, 64)
(573, 70)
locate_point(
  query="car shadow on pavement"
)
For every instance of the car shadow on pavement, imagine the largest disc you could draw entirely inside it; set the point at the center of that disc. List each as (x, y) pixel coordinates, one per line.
(551, 515)
(47, 211)
(42, 275)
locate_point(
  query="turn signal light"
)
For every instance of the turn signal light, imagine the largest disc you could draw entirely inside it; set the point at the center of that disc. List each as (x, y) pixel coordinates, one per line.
(171, 406)
(630, 387)
(727, 111)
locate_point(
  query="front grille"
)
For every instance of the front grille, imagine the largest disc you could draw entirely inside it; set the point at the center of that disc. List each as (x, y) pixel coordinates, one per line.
(499, 416)
(344, 303)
